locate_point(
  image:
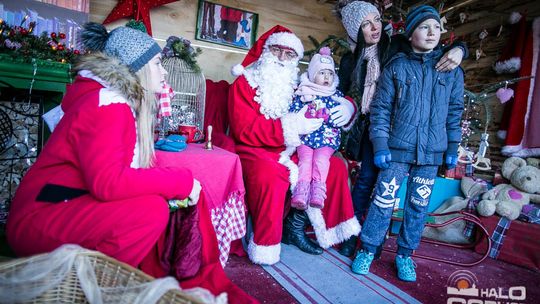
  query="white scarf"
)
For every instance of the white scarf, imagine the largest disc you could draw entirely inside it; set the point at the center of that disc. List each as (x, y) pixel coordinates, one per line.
(371, 54)
(310, 90)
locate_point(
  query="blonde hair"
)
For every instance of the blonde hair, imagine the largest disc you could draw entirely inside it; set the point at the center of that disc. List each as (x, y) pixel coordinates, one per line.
(145, 111)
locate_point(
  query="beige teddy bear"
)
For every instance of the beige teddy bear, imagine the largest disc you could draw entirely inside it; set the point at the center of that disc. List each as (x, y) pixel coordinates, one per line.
(508, 199)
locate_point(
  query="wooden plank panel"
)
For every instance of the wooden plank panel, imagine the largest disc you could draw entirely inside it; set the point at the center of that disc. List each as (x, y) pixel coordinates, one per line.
(304, 17)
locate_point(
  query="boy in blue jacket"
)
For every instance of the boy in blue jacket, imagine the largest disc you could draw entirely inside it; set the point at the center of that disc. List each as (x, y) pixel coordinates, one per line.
(415, 125)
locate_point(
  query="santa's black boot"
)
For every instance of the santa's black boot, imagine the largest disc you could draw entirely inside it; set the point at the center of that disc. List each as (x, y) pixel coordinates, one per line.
(293, 232)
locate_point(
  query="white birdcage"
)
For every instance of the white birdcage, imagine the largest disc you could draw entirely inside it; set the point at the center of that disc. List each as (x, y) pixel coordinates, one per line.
(189, 94)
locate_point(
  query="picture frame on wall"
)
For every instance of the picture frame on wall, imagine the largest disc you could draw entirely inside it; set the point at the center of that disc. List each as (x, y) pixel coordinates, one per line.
(226, 25)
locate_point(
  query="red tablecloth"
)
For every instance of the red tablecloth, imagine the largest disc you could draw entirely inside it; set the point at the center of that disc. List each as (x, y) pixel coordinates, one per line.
(520, 244)
(220, 174)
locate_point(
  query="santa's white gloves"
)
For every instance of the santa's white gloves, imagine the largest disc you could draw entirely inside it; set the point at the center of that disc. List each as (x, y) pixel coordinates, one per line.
(342, 113)
(195, 193)
(306, 125)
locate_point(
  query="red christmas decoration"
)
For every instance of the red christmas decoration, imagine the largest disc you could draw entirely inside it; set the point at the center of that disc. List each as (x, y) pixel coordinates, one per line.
(136, 9)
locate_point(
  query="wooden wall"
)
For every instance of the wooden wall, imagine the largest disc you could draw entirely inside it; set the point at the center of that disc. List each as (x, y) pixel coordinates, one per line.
(489, 15)
(314, 17)
(304, 17)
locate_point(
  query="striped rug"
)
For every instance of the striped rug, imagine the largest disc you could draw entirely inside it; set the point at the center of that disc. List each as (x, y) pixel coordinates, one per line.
(327, 278)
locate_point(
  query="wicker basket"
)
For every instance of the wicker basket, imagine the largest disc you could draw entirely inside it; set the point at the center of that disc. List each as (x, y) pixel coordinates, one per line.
(109, 273)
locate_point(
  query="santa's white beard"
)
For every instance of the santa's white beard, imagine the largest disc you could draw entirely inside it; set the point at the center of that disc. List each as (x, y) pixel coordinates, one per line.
(275, 82)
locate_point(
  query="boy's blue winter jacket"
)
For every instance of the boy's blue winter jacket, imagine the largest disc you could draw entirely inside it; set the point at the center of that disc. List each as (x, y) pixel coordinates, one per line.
(416, 111)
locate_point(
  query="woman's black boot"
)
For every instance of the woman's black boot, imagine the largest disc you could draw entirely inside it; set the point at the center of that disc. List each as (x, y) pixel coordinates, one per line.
(348, 247)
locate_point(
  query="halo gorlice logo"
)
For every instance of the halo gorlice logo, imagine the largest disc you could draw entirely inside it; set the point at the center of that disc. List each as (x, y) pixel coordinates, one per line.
(463, 289)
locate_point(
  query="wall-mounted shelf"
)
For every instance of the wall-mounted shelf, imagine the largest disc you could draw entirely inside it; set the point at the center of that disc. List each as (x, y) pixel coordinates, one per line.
(49, 75)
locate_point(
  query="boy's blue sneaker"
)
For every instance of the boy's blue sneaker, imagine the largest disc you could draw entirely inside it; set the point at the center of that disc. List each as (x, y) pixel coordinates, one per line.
(406, 268)
(362, 262)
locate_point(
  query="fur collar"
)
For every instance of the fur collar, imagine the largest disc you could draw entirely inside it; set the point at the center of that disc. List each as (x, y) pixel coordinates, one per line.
(115, 74)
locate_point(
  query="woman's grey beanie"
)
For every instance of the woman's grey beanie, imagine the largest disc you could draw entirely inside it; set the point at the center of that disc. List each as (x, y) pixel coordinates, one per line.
(133, 47)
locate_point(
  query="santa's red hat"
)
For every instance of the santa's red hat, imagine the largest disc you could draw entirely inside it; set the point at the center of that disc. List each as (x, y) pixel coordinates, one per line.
(278, 35)
(510, 58)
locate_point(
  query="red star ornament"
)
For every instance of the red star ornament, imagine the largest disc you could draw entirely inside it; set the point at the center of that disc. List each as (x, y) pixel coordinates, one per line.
(137, 9)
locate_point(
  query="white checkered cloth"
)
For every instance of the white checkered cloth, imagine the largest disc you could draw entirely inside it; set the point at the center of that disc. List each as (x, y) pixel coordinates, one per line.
(230, 224)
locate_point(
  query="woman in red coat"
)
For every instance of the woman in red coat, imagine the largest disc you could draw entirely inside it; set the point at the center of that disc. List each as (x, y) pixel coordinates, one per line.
(94, 184)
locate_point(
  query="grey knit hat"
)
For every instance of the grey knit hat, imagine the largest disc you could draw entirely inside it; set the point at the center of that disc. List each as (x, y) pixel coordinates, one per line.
(353, 14)
(133, 47)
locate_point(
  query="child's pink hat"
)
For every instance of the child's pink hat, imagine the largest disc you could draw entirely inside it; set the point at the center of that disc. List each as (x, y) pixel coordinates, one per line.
(321, 61)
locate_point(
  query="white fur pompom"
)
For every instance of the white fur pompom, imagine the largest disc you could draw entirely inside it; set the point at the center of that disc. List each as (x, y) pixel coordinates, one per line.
(237, 70)
(514, 18)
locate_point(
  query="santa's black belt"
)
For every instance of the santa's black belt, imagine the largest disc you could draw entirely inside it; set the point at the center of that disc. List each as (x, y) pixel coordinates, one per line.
(51, 193)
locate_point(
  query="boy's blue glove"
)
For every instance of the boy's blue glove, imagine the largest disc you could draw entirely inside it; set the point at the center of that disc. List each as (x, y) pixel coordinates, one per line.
(382, 159)
(173, 143)
(451, 161)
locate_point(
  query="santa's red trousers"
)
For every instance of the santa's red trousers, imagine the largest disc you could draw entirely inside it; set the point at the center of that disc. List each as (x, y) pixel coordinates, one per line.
(267, 185)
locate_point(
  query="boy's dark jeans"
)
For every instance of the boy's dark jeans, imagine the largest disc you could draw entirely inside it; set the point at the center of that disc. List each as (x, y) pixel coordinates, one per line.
(419, 188)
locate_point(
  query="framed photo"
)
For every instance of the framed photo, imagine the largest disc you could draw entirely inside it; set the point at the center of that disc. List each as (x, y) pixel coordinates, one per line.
(226, 25)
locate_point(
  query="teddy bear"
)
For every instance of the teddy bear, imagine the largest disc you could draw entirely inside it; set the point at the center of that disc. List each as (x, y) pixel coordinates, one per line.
(453, 233)
(507, 200)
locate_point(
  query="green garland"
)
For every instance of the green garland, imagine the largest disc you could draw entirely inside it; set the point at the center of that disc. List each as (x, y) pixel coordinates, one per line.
(20, 42)
(181, 48)
(338, 45)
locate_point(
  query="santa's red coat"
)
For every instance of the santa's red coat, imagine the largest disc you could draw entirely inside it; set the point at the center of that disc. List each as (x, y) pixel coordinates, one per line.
(519, 120)
(259, 142)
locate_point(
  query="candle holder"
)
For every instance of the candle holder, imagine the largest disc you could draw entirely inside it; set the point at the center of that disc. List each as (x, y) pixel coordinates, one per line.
(208, 145)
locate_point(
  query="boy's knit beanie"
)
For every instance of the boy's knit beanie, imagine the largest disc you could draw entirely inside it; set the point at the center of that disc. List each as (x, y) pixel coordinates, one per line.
(418, 15)
(133, 47)
(353, 14)
(320, 61)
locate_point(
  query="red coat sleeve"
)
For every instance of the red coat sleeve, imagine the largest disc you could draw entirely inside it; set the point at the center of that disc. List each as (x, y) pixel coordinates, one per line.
(248, 126)
(104, 143)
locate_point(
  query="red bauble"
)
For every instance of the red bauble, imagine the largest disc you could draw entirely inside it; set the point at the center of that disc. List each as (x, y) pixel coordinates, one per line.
(61, 47)
(62, 36)
(76, 52)
(24, 31)
(53, 35)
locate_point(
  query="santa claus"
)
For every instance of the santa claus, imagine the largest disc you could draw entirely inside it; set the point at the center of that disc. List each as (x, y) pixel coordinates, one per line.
(266, 136)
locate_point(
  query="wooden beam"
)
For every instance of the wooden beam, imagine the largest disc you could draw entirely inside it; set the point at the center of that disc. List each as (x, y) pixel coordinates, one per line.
(465, 2)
